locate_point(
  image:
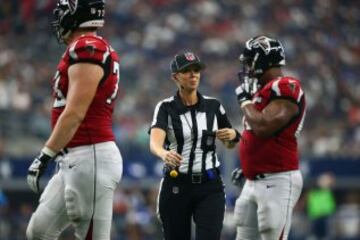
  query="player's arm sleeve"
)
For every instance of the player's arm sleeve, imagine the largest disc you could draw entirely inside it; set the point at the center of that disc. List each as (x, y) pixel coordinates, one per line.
(223, 120)
(160, 118)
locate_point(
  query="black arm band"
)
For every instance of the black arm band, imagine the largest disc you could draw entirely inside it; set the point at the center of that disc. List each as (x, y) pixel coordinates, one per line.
(237, 137)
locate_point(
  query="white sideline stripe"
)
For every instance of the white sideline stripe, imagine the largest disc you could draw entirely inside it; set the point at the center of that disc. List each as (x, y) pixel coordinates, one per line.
(158, 200)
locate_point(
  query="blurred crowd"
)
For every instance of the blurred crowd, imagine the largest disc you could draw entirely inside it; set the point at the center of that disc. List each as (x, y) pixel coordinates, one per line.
(321, 40)
(322, 45)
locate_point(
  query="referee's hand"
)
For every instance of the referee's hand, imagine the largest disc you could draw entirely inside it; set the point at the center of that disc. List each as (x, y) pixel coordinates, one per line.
(171, 158)
(226, 134)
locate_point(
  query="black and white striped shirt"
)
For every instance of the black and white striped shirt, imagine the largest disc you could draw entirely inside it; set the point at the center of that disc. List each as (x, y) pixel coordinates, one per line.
(185, 130)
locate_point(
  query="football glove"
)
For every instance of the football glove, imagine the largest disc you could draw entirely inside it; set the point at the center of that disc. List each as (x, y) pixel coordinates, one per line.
(36, 170)
(237, 177)
(246, 90)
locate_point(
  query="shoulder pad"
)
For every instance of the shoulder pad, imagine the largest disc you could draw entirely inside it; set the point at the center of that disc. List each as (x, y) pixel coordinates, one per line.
(287, 87)
(89, 49)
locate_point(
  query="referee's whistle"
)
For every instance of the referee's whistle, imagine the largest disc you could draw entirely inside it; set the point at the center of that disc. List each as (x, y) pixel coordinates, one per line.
(173, 173)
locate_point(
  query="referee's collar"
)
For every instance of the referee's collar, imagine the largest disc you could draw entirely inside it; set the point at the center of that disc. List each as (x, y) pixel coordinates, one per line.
(200, 106)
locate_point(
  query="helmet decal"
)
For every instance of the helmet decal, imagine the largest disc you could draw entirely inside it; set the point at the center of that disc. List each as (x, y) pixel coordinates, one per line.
(72, 5)
(189, 56)
(264, 43)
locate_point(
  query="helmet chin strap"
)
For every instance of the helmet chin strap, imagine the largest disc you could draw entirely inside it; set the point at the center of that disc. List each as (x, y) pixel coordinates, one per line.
(66, 36)
(254, 62)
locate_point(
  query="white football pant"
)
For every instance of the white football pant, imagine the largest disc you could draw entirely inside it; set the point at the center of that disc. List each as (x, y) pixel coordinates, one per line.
(264, 207)
(80, 193)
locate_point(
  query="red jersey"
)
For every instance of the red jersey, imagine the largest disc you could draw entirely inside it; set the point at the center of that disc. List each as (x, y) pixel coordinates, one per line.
(97, 124)
(279, 152)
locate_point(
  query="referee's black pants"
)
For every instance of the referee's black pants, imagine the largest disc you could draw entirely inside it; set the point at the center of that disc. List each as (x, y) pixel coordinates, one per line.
(180, 199)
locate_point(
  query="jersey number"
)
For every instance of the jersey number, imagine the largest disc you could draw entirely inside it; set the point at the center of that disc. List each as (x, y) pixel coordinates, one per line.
(300, 127)
(246, 125)
(117, 72)
(60, 99)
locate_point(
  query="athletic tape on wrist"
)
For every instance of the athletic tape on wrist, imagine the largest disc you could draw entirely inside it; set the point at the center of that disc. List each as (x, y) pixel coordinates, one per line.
(48, 151)
(244, 103)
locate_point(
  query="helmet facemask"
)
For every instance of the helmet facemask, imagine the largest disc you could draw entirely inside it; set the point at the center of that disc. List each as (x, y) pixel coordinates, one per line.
(59, 14)
(247, 71)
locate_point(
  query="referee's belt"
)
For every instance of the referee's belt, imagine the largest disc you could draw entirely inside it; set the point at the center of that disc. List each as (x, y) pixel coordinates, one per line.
(195, 178)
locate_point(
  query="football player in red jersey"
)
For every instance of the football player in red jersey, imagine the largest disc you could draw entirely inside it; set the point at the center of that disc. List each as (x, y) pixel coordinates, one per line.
(273, 118)
(90, 164)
